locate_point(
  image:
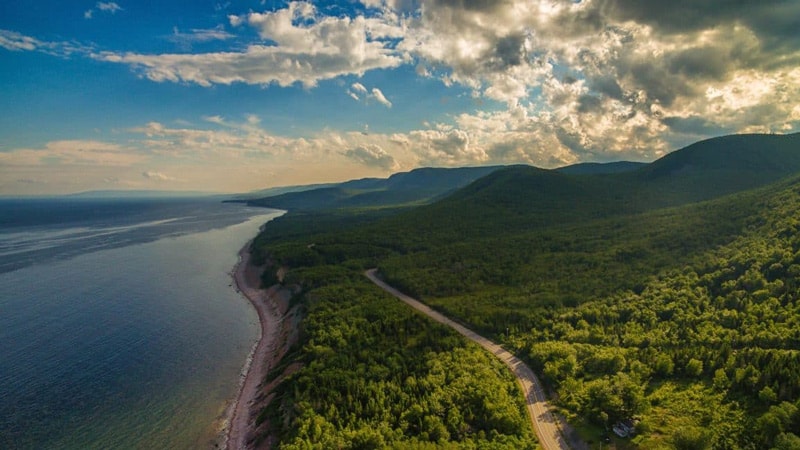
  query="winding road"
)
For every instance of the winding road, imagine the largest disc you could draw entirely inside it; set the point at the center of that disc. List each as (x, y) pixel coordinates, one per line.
(544, 422)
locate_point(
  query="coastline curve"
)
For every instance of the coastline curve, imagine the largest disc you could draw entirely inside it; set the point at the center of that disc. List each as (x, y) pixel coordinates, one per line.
(238, 430)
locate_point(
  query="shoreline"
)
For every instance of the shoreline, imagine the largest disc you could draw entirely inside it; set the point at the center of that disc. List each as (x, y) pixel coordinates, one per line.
(237, 430)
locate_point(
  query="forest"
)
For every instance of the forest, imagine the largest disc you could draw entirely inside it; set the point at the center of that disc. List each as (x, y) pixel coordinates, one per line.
(680, 312)
(374, 374)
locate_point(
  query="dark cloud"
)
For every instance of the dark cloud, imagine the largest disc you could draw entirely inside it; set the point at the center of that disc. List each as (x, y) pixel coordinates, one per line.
(510, 50)
(676, 15)
(702, 62)
(582, 22)
(590, 104)
(694, 125)
(608, 86)
(659, 84)
(469, 5)
(775, 21)
(572, 140)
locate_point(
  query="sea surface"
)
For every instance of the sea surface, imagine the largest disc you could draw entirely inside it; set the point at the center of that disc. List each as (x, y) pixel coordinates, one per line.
(119, 323)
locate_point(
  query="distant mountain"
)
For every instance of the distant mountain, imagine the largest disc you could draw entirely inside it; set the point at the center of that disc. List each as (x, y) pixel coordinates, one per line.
(758, 155)
(407, 188)
(270, 192)
(535, 197)
(718, 166)
(524, 196)
(601, 168)
(110, 194)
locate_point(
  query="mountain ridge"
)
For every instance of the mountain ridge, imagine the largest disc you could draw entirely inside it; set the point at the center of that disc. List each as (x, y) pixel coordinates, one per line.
(668, 295)
(401, 189)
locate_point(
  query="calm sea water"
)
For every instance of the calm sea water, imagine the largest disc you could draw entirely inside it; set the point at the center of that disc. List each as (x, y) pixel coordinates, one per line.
(119, 327)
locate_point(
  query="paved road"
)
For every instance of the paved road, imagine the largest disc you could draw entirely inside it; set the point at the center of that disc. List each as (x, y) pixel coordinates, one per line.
(544, 422)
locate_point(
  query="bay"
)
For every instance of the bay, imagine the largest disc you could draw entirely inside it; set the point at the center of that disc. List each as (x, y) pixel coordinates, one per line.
(137, 342)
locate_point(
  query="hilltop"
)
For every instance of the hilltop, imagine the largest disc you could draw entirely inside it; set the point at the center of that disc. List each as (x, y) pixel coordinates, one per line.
(416, 187)
(667, 293)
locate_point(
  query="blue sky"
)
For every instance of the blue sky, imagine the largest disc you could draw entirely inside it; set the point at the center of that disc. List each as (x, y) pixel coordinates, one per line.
(235, 96)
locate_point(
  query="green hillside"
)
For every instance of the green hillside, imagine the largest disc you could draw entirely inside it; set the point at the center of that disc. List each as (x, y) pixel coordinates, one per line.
(668, 294)
(600, 168)
(717, 167)
(527, 197)
(402, 189)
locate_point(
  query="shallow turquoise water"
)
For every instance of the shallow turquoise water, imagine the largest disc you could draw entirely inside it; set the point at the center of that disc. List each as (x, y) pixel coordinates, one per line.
(138, 346)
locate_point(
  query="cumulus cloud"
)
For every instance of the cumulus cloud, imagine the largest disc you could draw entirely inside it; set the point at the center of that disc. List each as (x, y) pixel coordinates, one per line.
(594, 79)
(358, 87)
(607, 72)
(373, 156)
(358, 92)
(447, 148)
(378, 95)
(302, 47)
(306, 52)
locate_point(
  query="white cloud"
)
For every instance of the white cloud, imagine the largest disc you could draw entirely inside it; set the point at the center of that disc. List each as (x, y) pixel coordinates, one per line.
(11, 40)
(595, 79)
(72, 153)
(199, 35)
(358, 91)
(109, 7)
(606, 77)
(378, 95)
(106, 7)
(260, 64)
(158, 176)
(234, 140)
(358, 87)
(304, 51)
(449, 148)
(373, 156)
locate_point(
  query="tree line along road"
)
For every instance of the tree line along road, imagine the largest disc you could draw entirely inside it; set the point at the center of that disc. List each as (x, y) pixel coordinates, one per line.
(545, 423)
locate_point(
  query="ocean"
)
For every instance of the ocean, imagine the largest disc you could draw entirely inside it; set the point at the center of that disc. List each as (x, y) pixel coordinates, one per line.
(119, 323)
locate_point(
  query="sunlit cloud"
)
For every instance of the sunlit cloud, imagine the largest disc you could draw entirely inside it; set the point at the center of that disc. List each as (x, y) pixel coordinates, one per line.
(372, 155)
(378, 95)
(72, 153)
(358, 87)
(551, 82)
(318, 48)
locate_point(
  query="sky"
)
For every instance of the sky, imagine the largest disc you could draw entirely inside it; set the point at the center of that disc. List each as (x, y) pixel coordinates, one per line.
(233, 96)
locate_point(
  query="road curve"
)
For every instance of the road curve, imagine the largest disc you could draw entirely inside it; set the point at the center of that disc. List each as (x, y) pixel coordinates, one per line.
(543, 420)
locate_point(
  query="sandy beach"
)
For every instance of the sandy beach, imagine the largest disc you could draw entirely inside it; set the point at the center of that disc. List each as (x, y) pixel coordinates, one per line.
(270, 304)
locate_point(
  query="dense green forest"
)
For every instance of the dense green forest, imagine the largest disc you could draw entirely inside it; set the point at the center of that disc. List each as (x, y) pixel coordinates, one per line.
(668, 294)
(375, 374)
